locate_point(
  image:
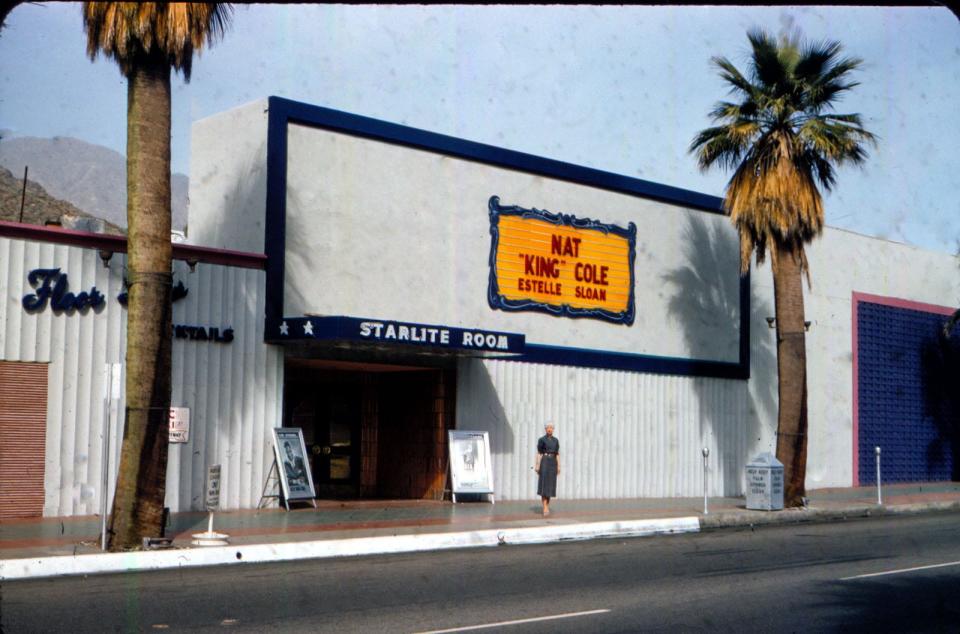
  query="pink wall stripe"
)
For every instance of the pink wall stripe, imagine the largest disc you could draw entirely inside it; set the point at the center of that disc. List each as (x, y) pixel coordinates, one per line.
(118, 244)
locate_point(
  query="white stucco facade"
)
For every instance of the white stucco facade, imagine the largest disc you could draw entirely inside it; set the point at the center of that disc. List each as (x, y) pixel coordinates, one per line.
(383, 230)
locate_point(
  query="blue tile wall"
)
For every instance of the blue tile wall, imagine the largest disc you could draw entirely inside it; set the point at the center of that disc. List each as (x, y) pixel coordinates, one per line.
(894, 406)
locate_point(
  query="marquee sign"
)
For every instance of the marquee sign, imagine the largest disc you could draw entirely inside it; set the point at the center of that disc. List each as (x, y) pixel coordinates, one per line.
(384, 331)
(560, 264)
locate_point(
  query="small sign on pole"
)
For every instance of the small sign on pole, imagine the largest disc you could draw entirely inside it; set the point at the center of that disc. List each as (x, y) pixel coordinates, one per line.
(212, 501)
(213, 488)
(179, 424)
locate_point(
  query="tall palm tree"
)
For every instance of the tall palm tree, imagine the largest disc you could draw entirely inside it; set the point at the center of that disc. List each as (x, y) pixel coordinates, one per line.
(5, 9)
(147, 40)
(782, 139)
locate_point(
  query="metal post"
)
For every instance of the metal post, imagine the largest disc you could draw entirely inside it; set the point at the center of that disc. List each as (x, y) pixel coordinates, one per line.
(105, 455)
(105, 468)
(706, 454)
(879, 495)
(111, 394)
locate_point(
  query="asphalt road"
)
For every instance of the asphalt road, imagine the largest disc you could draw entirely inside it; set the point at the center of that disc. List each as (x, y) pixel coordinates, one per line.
(784, 578)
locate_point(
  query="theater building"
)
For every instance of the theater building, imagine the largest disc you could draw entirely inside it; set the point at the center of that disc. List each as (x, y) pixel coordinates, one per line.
(377, 286)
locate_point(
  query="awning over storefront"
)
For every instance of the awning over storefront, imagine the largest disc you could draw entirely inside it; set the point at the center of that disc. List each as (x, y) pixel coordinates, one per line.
(388, 333)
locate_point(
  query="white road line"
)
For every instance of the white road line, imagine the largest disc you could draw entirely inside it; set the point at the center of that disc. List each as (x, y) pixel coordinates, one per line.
(485, 626)
(896, 572)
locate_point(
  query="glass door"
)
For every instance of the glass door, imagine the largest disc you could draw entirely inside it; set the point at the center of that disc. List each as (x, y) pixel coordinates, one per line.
(336, 447)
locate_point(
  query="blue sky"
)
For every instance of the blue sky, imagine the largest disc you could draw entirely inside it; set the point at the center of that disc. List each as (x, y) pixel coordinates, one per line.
(623, 89)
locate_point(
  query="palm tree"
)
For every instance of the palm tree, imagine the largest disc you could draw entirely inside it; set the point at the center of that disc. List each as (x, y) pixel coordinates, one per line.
(781, 139)
(147, 40)
(5, 9)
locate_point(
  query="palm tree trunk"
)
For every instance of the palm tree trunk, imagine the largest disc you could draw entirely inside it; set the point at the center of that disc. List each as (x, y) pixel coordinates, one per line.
(792, 372)
(141, 481)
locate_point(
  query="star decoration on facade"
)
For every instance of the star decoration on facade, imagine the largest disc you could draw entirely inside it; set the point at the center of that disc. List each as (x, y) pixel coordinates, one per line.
(308, 328)
(284, 329)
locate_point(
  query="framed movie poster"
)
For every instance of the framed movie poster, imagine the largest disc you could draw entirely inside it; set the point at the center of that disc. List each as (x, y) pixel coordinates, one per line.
(471, 470)
(293, 467)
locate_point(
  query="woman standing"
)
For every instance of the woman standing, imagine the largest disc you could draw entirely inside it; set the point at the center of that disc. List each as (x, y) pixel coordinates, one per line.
(548, 467)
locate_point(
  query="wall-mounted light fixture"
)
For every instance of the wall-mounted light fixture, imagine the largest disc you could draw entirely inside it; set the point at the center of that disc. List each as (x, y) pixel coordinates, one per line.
(105, 257)
(192, 263)
(771, 321)
(806, 326)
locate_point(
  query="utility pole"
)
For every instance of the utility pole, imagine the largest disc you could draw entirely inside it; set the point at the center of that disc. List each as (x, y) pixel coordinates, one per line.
(23, 194)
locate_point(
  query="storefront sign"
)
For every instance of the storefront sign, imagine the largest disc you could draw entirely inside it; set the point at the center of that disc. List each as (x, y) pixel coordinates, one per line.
(560, 264)
(200, 333)
(51, 286)
(433, 335)
(177, 293)
(397, 332)
(179, 424)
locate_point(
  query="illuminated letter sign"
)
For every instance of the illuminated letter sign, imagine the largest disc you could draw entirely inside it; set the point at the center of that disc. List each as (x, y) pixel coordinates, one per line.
(560, 264)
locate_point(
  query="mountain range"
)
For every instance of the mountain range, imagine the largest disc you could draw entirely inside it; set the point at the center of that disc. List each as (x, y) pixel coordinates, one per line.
(40, 208)
(90, 177)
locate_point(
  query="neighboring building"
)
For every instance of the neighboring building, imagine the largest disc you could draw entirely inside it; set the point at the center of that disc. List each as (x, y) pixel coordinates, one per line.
(56, 356)
(385, 285)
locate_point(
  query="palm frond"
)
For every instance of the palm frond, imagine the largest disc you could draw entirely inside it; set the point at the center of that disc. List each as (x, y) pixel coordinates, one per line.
(814, 59)
(168, 32)
(724, 145)
(768, 68)
(730, 74)
(726, 110)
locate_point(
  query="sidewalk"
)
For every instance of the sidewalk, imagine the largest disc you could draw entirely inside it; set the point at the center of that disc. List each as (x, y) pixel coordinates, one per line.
(57, 546)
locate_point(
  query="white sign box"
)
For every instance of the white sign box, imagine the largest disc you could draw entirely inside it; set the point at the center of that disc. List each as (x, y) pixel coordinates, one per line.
(470, 467)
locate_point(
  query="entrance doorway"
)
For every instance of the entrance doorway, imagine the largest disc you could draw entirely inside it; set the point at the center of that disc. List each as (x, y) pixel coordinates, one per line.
(372, 430)
(328, 412)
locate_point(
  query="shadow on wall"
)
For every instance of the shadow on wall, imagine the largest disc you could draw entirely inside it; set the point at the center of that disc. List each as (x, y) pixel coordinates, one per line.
(217, 413)
(708, 293)
(300, 253)
(940, 367)
(479, 407)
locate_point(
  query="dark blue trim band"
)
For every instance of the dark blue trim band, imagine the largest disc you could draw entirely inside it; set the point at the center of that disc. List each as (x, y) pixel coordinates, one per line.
(558, 355)
(282, 112)
(275, 228)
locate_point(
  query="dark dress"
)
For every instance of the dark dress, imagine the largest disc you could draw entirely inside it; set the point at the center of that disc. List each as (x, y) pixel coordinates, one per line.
(549, 446)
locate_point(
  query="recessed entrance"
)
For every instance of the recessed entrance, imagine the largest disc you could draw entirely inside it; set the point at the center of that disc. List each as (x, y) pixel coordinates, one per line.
(371, 430)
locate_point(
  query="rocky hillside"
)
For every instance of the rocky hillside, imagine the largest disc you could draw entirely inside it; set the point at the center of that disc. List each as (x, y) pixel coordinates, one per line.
(91, 177)
(41, 208)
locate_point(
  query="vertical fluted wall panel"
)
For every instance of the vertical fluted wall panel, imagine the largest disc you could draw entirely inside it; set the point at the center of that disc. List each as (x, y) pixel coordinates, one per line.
(622, 434)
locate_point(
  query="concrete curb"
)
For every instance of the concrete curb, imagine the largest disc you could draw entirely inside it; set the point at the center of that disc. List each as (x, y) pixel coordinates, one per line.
(40, 567)
(815, 514)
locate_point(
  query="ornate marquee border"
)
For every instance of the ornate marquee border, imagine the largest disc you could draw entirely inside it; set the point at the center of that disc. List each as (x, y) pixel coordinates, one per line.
(498, 302)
